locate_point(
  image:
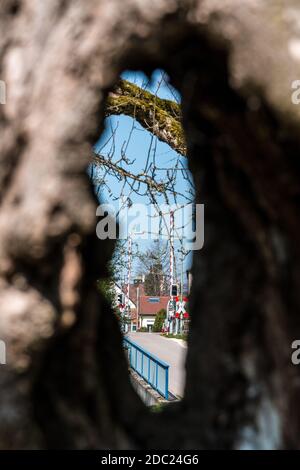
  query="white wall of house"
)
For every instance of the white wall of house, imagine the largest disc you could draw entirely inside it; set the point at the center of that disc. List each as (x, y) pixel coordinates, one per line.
(147, 320)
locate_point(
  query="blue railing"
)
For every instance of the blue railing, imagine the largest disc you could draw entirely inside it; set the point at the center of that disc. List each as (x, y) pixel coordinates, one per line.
(149, 367)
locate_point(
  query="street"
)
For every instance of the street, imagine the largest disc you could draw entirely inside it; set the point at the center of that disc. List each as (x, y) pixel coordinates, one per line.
(173, 352)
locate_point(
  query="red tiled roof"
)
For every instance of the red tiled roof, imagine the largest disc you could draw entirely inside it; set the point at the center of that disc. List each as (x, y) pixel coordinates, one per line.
(146, 307)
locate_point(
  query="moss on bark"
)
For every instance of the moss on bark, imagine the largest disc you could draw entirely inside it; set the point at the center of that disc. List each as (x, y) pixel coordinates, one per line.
(159, 116)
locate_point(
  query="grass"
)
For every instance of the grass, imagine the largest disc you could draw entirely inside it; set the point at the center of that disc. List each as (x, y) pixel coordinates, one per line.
(158, 407)
(183, 336)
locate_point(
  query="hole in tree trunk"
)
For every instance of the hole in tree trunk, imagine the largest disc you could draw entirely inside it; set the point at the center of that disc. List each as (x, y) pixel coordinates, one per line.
(141, 176)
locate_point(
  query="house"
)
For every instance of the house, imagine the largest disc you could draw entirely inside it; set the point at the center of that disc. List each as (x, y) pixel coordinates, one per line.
(148, 308)
(143, 308)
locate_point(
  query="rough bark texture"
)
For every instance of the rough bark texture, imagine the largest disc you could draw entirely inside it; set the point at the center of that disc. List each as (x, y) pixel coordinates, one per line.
(66, 383)
(160, 117)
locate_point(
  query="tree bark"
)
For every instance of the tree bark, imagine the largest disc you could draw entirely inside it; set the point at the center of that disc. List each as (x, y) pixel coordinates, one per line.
(66, 384)
(159, 116)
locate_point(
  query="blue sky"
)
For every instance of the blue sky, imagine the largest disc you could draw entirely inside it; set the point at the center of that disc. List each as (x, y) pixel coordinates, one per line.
(139, 145)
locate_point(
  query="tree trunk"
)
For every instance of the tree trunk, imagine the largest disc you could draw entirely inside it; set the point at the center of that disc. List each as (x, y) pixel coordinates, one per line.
(66, 384)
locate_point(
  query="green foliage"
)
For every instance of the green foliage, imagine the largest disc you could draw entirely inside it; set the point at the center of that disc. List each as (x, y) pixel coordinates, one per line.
(105, 286)
(159, 320)
(158, 407)
(183, 336)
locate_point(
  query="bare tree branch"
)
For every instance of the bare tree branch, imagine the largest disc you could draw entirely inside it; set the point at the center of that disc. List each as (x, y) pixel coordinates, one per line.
(141, 178)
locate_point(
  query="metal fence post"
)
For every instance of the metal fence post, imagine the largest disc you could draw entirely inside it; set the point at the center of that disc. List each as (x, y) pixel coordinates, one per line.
(167, 384)
(136, 367)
